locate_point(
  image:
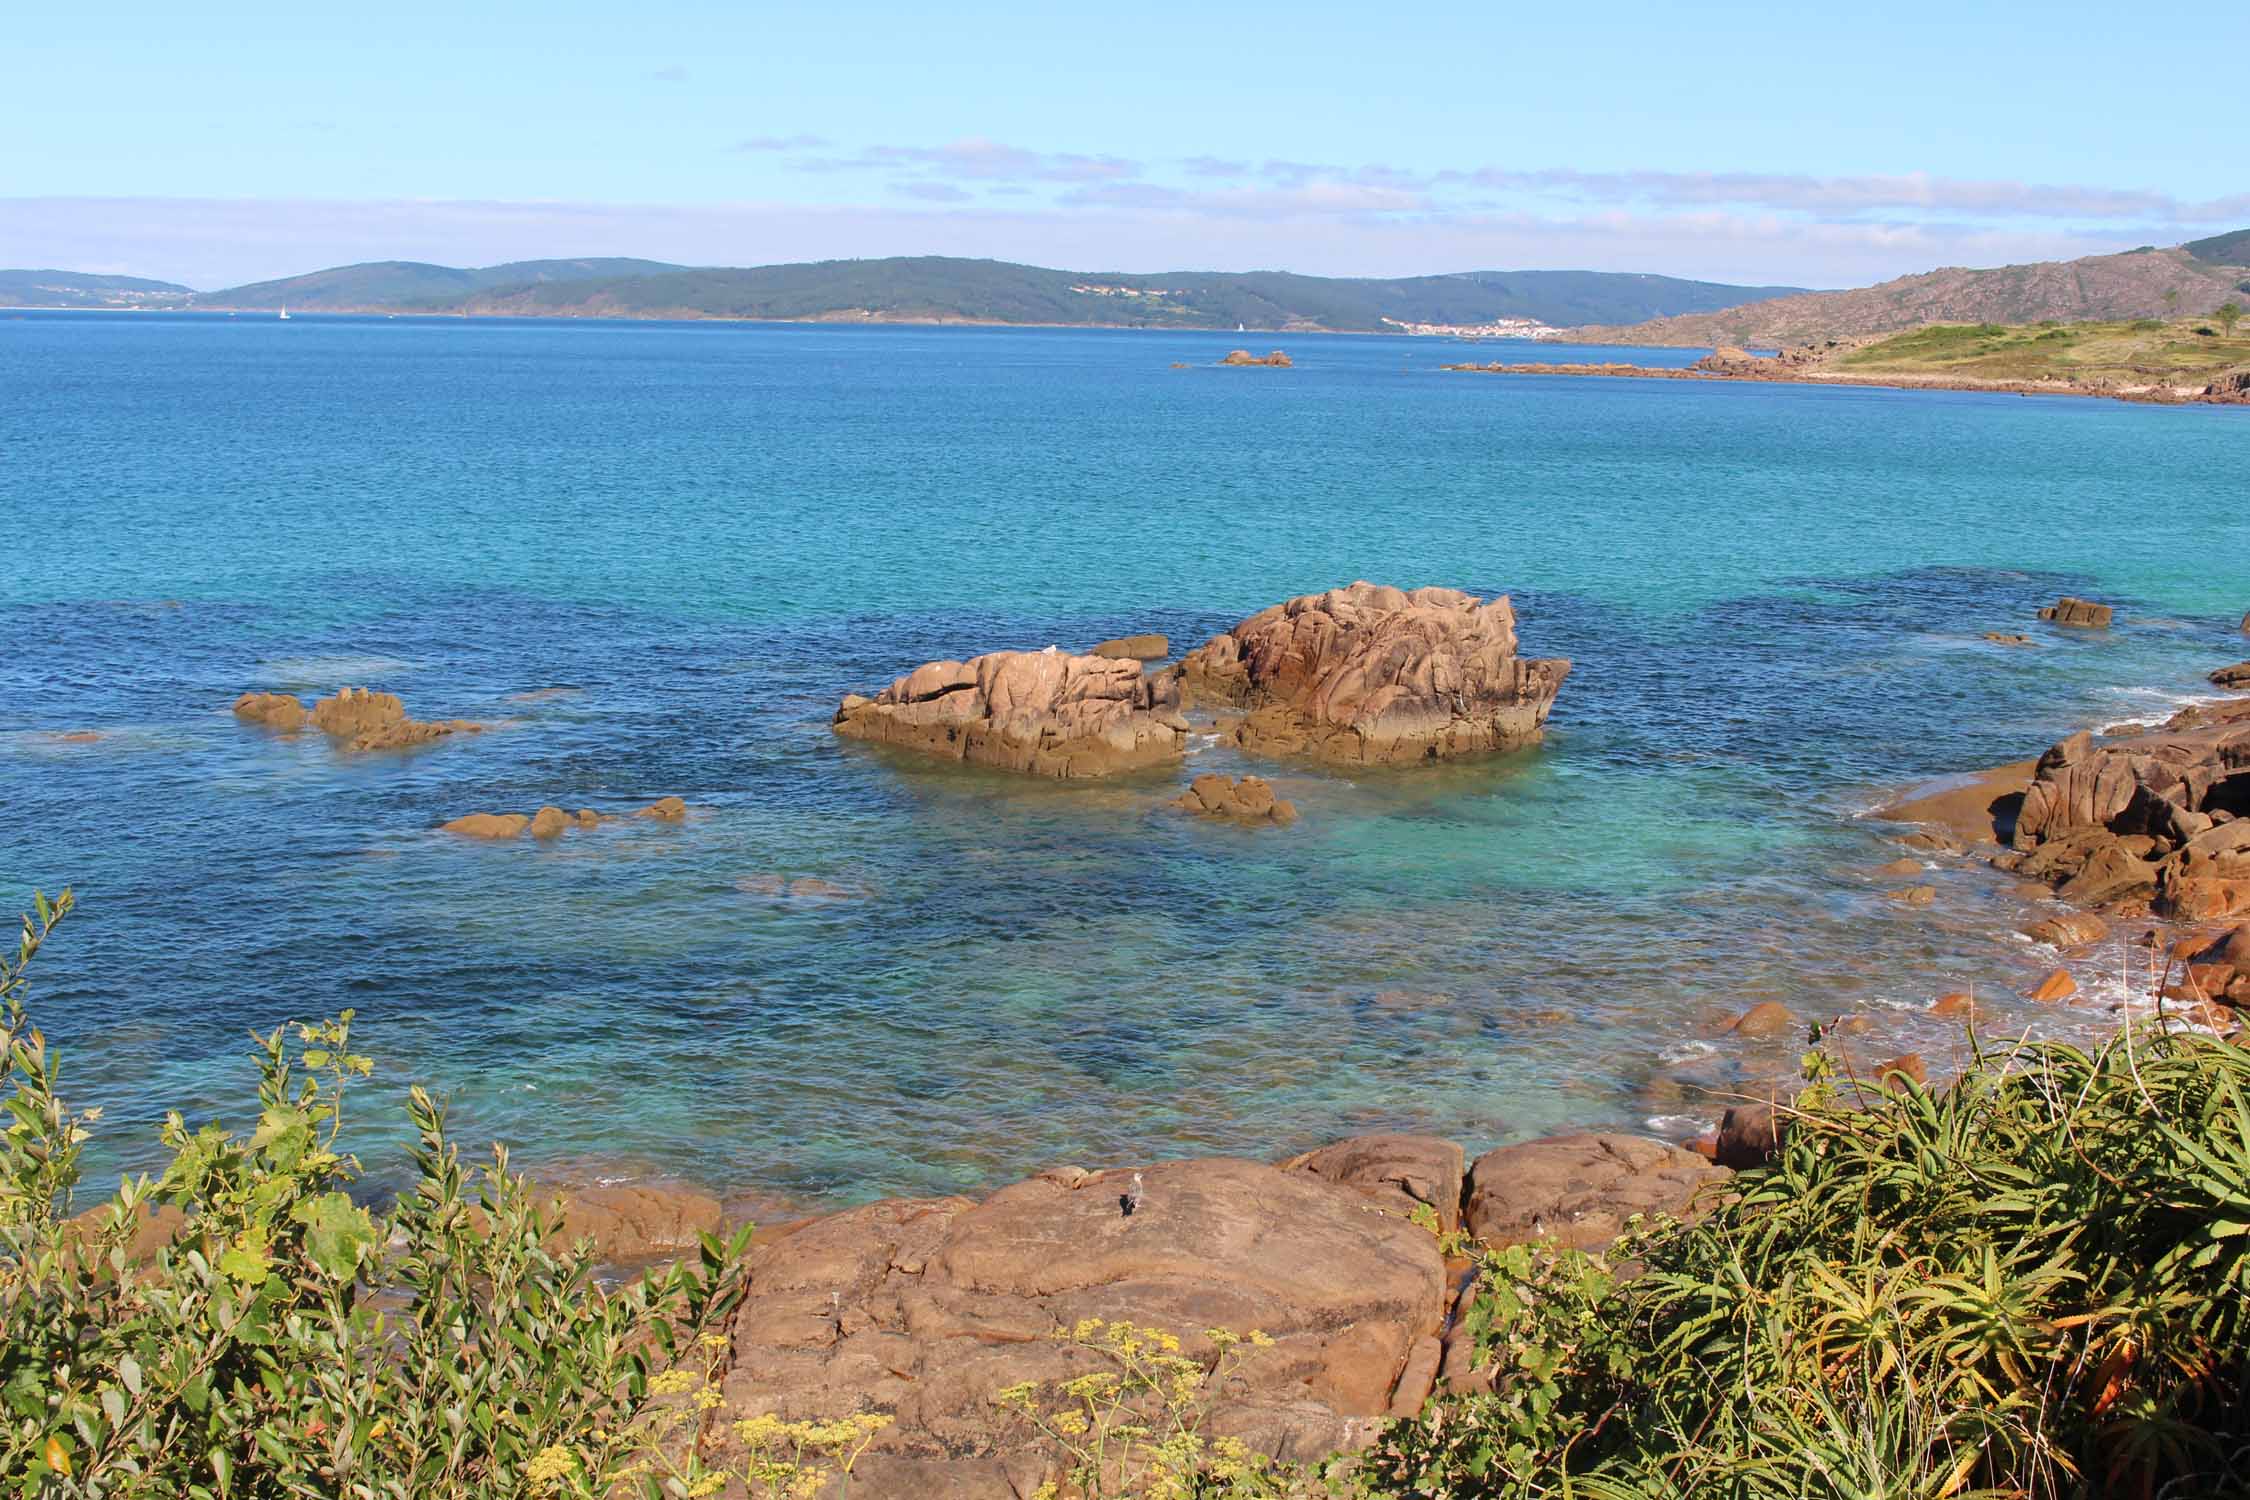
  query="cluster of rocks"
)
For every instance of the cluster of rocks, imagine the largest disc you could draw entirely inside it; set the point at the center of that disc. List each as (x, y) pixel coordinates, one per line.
(553, 822)
(2158, 819)
(923, 1309)
(1249, 800)
(1274, 361)
(1364, 675)
(353, 717)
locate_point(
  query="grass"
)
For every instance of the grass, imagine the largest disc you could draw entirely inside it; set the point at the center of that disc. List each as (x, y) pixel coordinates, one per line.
(2190, 351)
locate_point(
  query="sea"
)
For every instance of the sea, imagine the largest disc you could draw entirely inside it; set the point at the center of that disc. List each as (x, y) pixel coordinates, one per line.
(651, 556)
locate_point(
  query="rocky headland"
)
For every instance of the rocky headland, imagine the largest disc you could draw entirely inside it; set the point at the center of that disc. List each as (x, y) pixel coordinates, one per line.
(1370, 675)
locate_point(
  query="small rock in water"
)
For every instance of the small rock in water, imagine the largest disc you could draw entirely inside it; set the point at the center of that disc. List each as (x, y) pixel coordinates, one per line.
(1767, 1018)
(1250, 800)
(1135, 648)
(1999, 639)
(2084, 613)
(2054, 989)
(1899, 867)
(2072, 930)
(1960, 1005)
(1913, 895)
(2236, 676)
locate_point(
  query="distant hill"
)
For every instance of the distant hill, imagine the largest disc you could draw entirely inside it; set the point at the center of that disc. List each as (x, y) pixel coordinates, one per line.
(85, 289)
(2146, 283)
(390, 285)
(941, 289)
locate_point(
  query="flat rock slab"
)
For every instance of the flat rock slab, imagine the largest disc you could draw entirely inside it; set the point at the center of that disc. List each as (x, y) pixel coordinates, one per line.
(924, 1309)
(1398, 1173)
(1578, 1190)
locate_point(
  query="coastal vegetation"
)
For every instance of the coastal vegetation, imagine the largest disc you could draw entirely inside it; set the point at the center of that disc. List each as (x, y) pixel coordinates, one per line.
(2142, 350)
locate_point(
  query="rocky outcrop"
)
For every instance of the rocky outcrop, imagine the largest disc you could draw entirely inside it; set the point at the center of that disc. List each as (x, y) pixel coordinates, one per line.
(2236, 676)
(1578, 1190)
(2219, 970)
(1250, 800)
(1041, 712)
(2084, 613)
(924, 1309)
(1369, 675)
(2163, 817)
(635, 1222)
(1135, 648)
(1274, 361)
(352, 717)
(1401, 1174)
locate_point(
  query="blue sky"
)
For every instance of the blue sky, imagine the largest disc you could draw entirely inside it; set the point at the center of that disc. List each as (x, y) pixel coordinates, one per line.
(1822, 146)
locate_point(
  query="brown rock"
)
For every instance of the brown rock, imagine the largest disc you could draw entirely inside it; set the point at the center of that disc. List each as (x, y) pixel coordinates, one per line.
(1578, 1190)
(2236, 676)
(1899, 868)
(814, 888)
(1041, 712)
(1913, 895)
(76, 737)
(2080, 612)
(1398, 1172)
(156, 1225)
(277, 711)
(1750, 1134)
(1766, 1018)
(1934, 842)
(2111, 873)
(664, 810)
(1276, 360)
(1135, 648)
(2056, 987)
(2071, 930)
(922, 1310)
(637, 1221)
(1250, 800)
(351, 712)
(1960, 1005)
(549, 823)
(1999, 639)
(1908, 1066)
(1368, 675)
(1979, 807)
(488, 825)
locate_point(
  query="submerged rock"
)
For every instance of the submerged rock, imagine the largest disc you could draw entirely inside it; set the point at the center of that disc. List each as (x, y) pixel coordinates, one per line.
(353, 717)
(488, 825)
(1369, 675)
(2083, 613)
(552, 822)
(1250, 800)
(1042, 712)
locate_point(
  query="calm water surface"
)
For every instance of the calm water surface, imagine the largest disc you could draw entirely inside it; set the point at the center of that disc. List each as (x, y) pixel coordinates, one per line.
(702, 534)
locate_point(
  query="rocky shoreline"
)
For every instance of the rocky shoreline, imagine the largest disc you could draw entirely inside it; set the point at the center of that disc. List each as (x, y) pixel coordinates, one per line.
(1735, 365)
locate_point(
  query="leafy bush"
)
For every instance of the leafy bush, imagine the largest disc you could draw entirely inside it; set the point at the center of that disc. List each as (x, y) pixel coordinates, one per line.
(2030, 1283)
(287, 1341)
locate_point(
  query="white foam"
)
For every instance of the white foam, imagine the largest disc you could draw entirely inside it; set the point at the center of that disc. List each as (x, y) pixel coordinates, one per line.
(1675, 1125)
(1680, 1052)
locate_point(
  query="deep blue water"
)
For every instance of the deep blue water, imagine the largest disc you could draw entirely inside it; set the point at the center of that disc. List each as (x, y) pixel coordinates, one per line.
(1775, 596)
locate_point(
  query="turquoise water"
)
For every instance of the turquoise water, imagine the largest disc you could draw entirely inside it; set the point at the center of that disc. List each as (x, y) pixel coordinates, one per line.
(704, 534)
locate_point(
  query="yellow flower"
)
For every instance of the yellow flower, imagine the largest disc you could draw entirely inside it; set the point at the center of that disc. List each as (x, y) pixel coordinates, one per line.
(674, 1383)
(708, 1398)
(1070, 1423)
(550, 1466)
(1260, 1339)
(709, 1484)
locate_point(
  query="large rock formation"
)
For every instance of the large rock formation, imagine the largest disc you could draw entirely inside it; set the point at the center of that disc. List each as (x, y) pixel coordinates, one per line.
(2163, 816)
(354, 718)
(1275, 361)
(1368, 675)
(924, 1310)
(1044, 712)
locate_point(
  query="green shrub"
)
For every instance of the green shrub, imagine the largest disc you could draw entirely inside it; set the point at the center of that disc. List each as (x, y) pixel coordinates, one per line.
(288, 1341)
(2030, 1283)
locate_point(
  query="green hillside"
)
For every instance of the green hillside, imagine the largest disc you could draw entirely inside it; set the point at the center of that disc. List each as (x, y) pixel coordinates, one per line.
(2222, 249)
(948, 289)
(391, 284)
(85, 289)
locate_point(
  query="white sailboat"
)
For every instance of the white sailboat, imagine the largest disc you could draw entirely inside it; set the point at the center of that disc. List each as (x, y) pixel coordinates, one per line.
(284, 312)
